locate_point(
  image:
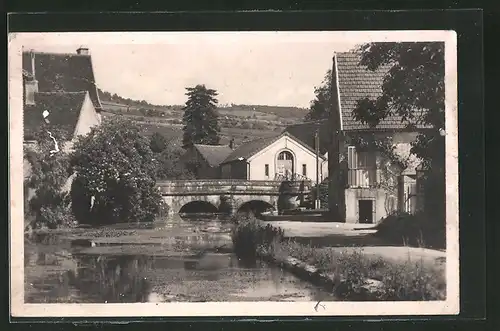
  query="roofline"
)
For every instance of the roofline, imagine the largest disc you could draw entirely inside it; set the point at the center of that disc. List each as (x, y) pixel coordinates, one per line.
(272, 141)
(387, 129)
(211, 145)
(54, 53)
(98, 109)
(61, 92)
(300, 142)
(337, 87)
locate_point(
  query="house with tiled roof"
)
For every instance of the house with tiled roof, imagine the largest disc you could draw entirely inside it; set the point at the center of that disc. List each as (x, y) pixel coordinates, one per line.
(206, 159)
(273, 158)
(59, 91)
(364, 187)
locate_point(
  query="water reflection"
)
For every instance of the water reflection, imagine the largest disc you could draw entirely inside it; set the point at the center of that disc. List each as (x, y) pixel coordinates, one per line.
(159, 273)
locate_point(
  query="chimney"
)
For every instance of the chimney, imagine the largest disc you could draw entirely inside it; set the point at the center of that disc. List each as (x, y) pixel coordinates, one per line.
(31, 84)
(231, 143)
(82, 50)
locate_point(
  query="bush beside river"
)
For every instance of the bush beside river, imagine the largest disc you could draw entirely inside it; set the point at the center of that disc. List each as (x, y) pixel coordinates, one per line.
(352, 270)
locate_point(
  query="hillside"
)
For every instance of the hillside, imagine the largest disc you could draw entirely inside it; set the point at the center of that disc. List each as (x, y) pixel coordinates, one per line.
(241, 122)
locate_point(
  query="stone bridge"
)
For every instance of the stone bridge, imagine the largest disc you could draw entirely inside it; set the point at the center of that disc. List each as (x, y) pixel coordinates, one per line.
(229, 196)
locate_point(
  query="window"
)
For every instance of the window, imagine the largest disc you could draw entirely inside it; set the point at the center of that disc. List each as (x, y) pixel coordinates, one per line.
(304, 170)
(360, 160)
(266, 170)
(285, 155)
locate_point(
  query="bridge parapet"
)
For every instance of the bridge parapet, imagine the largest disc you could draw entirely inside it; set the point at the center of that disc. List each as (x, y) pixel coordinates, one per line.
(217, 186)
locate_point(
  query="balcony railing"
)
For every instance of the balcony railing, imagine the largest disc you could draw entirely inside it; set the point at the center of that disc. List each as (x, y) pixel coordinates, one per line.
(291, 177)
(361, 177)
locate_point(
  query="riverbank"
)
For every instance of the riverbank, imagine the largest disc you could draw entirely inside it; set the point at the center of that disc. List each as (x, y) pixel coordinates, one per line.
(349, 268)
(174, 260)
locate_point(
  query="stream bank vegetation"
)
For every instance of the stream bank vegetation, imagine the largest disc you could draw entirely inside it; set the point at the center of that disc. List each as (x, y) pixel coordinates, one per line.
(352, 271)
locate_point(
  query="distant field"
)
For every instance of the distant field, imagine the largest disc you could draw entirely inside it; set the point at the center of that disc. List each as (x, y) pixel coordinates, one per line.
(240, 122)
(174, 131)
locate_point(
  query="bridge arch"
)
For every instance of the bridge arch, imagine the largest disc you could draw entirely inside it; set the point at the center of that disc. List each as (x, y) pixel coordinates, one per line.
(255, 206)
(198, 206)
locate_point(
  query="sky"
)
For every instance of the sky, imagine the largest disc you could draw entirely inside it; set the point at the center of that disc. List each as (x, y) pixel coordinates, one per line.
(259, 69)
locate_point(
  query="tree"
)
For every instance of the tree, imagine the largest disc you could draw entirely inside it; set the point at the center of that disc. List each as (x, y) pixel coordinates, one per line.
(116, 169)
(170, 163)
(413, 89)
(321, 105)
(200, 118)
(158, 142)
(49, 173)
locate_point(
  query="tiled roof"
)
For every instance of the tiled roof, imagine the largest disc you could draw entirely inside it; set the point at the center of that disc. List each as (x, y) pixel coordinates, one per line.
(305, 133)
(64, 110)
(214, 154)
(248, 149)
(356, 82)
(56, 72)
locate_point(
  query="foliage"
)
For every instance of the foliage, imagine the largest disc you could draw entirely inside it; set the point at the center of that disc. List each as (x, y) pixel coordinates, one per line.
(200, 117)
(323, 194)
(413, 230)
(406, 280)
(248, 235)
(49, 173)
(158, 142)
(321, 105)
(171, 165)
(115, 165)
(413, 89)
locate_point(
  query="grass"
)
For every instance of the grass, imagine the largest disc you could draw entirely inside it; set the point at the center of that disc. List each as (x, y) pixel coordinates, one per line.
(418, 230)
(402, 281)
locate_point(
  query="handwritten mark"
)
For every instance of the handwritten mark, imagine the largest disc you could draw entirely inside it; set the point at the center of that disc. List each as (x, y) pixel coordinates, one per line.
(318, 305)
(56, 145)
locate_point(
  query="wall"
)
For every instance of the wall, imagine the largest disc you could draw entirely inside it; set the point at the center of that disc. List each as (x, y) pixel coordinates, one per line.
(381, 201)
(175, 203)
(235, 170)
(88, 118)
(203, 169)
(269, 156)
(178, 193)
(381, 196)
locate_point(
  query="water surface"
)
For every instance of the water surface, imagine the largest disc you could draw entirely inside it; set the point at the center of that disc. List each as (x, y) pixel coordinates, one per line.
(173, 260)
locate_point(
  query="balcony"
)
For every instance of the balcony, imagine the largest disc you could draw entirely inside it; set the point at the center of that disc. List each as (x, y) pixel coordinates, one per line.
(363, 178)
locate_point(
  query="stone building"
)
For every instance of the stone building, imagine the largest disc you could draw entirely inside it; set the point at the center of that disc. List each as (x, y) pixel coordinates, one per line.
(272, 158)
(59, 92)
(364, 185)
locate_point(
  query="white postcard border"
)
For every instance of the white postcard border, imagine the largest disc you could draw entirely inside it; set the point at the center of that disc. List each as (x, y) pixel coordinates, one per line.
(16, 224)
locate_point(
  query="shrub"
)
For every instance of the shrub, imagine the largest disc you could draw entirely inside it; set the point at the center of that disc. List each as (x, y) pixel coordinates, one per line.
(414, 230)
(49, 172)
(412, 280)
(115, 165)
(249, 235)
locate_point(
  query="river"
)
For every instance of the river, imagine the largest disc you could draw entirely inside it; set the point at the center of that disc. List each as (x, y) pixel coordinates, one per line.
(177, 259)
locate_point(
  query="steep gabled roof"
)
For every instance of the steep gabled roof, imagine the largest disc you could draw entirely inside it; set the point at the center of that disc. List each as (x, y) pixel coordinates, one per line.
(64, 110)
(213, 154)
(305, 132)
(58, 72)
(356, 82)
(249, 149)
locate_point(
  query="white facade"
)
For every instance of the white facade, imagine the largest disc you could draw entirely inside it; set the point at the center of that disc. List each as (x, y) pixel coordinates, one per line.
(281, 157)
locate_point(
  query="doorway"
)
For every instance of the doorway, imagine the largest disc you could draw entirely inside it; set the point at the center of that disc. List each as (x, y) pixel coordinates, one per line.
(365, 209)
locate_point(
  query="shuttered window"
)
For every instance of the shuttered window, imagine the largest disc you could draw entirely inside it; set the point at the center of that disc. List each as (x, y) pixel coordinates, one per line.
(352, 159)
